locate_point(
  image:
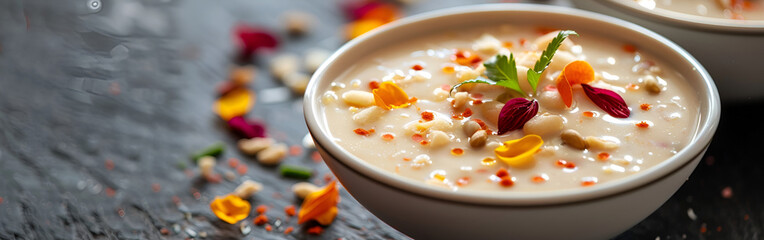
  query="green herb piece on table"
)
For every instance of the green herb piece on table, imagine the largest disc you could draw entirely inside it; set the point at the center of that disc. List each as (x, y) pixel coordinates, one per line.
(294, 171)
(212, 150)
(546, 57)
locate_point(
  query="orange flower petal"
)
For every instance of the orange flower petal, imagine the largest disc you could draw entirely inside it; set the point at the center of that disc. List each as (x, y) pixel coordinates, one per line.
(235, 103)
(578, 72)
(389, 96)
(230, 209)
(359, 27)
(319, 202)
(566, 92)
(385, 13)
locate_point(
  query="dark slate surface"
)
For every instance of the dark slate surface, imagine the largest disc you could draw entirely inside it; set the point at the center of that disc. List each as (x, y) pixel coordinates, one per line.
(84, 84)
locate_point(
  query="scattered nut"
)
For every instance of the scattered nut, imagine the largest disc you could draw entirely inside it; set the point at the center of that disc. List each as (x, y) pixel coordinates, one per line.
(652, 85)
(297, 81)
(438, 139)
(470, 127)
(247, 189)
(479, 139)
(242, 75)
(369, 115)
(544, 125)
(254, 145)
(272, 155)
(358, 98)
(303, 189)
(297, 23)
(551, 100)
(599, 143)
(573, 139)
(283, 65)
(314, 58)
(207, 166)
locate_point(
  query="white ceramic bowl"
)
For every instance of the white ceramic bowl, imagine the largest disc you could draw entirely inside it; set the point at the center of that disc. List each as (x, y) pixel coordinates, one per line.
(731, 50)
(426, 212)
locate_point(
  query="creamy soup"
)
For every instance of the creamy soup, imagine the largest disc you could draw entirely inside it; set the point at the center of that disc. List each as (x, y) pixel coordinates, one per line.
(450, 140)
(727, 9)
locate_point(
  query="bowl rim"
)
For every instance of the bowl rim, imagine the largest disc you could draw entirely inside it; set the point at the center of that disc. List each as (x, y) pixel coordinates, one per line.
(696, 145)
(689, 20)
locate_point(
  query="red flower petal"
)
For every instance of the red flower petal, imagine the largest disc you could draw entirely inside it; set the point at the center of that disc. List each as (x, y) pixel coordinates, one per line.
(251, 39)
(515, 113)
(357, 9)
(607, 100)
(246, 129)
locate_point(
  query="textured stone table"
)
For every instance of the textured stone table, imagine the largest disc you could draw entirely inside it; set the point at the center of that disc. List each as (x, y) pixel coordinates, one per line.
(101, 102)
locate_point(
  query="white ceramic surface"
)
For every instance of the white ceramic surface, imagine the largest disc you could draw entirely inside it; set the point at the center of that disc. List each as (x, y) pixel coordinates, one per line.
(731, 50)
(596, 212)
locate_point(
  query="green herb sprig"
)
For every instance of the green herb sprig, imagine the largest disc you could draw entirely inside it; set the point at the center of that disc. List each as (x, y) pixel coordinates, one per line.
(502, 71)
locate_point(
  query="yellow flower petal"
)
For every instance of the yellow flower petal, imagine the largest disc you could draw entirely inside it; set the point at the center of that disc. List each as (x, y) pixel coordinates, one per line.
(235, 103)
(327, 217)
(389, 96)
(519, 152)
(230, 209)
(359, 27)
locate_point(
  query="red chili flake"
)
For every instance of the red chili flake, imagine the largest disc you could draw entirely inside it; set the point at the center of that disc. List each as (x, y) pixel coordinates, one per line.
(417, 137)
(109, 192)
(457, 151)
(316, 156)
(417, 67)
(424, 142)
(413, 100)
(241, 169)
(467, 112)
(316, 230)
(745, 217)
(603, 156)
(260, 220)
(156, 187)
(629, 48)
(268, 228)
(703, 229)
(164, 231)
(607, 100)
(463, 181)
(719, 228)
(632, 87)
(538, 179)
(189, 173)
(428, 116)
(507, 44)
(502, 172)
(545, 30)
(445, 87)
(121, 212)
(295, 150)
(477, 102)
(233, 162)
(561, 163)
(373, 85)
(506, 181)
(588, 183)
(457, 117)
(109, 164)
(550, 87)
(214, 178)
(288, 230)
(290, 210)
(522, 41)
(588, 114)
(388, 137)
(176, 200)
(197, 195)
(481, 123)
(261, 209)
(570, 165)
(328, 177)
(363, 132)
(406, 159)
(642, 124)
(645, 106)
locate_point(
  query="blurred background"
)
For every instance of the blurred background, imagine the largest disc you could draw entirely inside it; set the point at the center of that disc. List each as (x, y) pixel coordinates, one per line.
(103, 101)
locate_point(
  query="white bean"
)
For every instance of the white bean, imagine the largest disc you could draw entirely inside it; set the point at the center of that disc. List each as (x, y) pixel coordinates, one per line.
(544, 125)
(478, 139)
(254, 145)
(461, 99)
(369, 115)
(573, 139)
(599, 143)
(358, 98)
(438, 139)
(207, 166)
(551, 100)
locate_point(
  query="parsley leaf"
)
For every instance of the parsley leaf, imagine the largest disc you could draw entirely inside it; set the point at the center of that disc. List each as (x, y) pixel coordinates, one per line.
(546, 58)
(500, 71)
